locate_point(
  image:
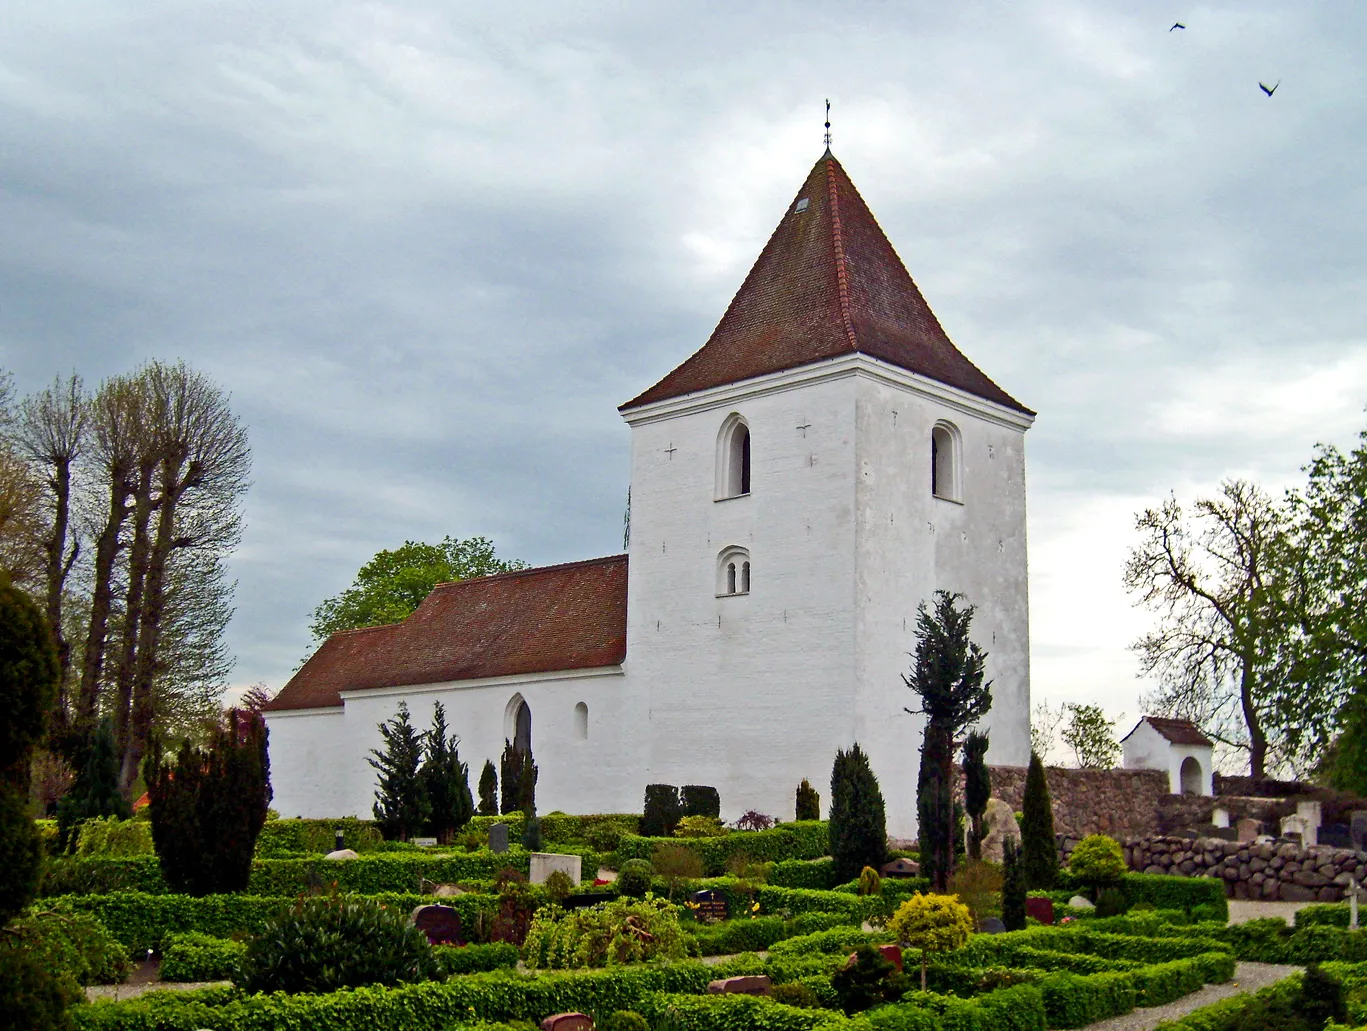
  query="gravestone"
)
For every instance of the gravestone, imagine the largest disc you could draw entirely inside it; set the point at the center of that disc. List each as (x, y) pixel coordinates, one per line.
(1041, 909)
(1312, 814)
(749, 984)
(1078, 902)
(893, 954)
(1219, 816)
(425, 842)
(567, 1022)
(441, 924)
(710, 906)
(1357, 828)
(498, 838)
(1247, 829)
(544, 864)
(584, 899)
(991, 926)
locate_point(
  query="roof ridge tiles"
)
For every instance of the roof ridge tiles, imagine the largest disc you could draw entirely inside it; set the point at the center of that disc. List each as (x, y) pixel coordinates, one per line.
(532, 570)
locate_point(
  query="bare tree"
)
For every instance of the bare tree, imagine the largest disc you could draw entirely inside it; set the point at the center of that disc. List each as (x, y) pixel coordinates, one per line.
(50, 434)
(1044, 724)
(1213, 578)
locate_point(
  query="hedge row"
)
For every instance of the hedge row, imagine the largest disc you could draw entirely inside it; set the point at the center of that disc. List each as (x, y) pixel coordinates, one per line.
(1332, 914)
(803, 873)
(756, 935)
(1162, 891)
(1268, 940)
(1234, 1013)
(316, 837)
(193, 956)
(141, 921)
(807, 839)
(368, 875)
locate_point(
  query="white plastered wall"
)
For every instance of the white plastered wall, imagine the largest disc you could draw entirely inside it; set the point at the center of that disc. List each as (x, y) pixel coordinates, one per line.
(1146, 749)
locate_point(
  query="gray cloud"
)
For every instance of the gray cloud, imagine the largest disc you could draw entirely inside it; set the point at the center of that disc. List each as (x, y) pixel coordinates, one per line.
(429, 248)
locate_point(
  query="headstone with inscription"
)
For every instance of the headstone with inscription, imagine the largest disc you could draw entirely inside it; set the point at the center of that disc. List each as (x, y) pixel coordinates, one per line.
(709, 906)
(498, 838)
(1041, 909)
(543, 864)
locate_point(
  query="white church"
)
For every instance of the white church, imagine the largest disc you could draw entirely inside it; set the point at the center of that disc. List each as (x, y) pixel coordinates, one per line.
(822, 465)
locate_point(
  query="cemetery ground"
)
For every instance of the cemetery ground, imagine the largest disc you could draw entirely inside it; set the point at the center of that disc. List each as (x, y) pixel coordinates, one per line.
(741, 929)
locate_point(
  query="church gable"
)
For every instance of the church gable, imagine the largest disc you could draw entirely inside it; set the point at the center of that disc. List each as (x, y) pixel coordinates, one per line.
(828, 283)
(564, 617)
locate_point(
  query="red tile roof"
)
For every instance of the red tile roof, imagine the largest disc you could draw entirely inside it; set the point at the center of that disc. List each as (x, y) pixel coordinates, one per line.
(571, 616)
(1179, 732)
(827, 283)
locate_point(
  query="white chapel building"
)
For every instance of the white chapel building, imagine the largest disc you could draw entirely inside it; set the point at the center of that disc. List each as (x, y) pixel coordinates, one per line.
(822, 465)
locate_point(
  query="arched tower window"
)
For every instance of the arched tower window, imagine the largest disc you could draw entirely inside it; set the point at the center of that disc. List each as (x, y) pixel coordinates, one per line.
(944, 462)
(733, 458)
(581, 721)
(733, 572)
(517, 723)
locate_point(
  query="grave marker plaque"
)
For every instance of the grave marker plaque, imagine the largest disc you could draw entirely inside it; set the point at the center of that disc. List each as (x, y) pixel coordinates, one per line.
(1041, 909)
(498, 837)
(711, 906)
(441, 924)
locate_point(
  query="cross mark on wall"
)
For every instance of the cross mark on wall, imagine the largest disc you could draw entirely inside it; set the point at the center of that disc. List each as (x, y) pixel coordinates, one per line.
(804, 428)
(670, 450)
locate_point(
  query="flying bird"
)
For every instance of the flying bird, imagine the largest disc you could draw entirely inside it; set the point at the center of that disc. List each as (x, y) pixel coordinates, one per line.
(1177, 25)
(1263, 86)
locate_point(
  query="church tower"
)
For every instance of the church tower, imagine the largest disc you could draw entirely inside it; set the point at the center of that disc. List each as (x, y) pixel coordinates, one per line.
(821, 466)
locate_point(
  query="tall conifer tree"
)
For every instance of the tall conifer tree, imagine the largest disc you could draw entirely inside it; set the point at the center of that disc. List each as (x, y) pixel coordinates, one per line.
(401, 805)
(446, 780)
(858, 821)
(1039, 850)
(977, 790)
(488, 789)
(96, 792)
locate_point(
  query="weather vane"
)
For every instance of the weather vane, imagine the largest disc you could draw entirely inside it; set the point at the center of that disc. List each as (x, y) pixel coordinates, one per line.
(828, 123)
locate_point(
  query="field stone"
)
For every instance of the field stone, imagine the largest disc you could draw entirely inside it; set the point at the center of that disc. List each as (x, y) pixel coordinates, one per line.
(342, 853)
(1078, 902)
(750, 984)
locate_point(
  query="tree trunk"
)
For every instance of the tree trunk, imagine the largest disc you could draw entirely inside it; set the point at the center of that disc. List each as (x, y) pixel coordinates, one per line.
(1257, 738)
(102, 597)
(138, 557)
(57, 566)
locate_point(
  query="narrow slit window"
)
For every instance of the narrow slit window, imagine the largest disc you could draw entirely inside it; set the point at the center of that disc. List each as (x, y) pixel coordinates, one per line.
(730, 578)
(733, 572)
(745, 578)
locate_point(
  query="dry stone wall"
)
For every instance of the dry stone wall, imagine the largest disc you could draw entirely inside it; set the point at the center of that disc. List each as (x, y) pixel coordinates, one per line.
(1121, 803)
(1277, 870)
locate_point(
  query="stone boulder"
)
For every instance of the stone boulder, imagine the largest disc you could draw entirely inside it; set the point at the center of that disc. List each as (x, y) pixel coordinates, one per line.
(342, 853)
(999, 826)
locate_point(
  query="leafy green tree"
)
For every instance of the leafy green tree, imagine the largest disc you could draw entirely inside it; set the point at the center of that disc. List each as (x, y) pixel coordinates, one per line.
(401, 806)
(1097, 861)
(947, 676)
(96, 792)
(389, 587)
(857, 826)
(1039, 849)
(977, 790)
(209, 806)
(488, 789)
(1345, 765)
(931, 924)
(445, 780)
(1091, 736)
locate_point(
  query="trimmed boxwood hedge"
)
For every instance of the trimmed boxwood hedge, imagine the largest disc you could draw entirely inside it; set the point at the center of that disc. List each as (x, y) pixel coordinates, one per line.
(761, 933)
(280, 838)
(369, 874)
(193, 956)
(1162, 891)
(798, 840)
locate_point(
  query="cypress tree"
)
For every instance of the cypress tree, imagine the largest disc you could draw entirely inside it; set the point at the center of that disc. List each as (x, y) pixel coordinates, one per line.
(1013, 887)
(661, 811)
(209, 807)
(96, 791)
(947, 675)
(488, 789)
(977, 789)
(526, 784)
(445, 780)
(1039, 850)
(808, 802)
(858, 825)
(510, 770)
(401, 806)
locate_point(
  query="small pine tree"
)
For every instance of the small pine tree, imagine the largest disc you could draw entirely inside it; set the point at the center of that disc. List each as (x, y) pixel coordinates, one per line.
(488, 789)
(1013, 887)
(510, 779)
(858, 824)
(977, 789)
(808, 802)
(445, 779)
(1039, 850)
(401, 805)
(96, 792)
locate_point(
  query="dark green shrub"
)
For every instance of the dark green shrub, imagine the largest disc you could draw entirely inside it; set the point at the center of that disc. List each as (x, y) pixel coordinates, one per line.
(193, 956)
(1322, 997)
(208, 809)
(29, 673)
(699, 800)
(858, 827)
(95, 794)
(518, 773)
(1013, 887)
(401, 807)
(624, 1020)
(516, 908)
(325, 943)
(559, 886)
(635, 878)
(488, 789)
(808, 802)
(662, 811)
(531, 833)
(1039, 850)
(21, 853)
(476, 957)
(871, 980)
(1111, 902)
(795, 993)
(31, 998)
(69, 945)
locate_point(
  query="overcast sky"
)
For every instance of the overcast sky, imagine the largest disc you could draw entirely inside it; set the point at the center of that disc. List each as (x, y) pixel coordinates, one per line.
(429, 248)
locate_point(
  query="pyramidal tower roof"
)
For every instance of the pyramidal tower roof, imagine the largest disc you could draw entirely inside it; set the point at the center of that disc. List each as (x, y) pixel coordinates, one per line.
(828, 283)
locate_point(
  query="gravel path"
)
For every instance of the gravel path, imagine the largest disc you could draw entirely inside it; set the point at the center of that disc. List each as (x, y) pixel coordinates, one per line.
(1248, 977)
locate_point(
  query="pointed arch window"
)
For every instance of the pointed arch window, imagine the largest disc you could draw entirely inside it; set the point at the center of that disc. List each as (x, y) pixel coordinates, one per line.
(733, 458)
(733, 572)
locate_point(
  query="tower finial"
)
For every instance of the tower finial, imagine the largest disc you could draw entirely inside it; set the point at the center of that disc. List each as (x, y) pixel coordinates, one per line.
(828, 123)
